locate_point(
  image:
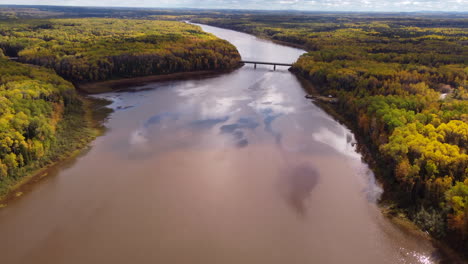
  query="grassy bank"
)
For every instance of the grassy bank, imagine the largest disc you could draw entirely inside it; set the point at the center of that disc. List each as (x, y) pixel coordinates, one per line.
(80, 125)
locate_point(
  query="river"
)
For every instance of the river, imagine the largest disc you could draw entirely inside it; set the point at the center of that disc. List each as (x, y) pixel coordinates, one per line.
(235, 168)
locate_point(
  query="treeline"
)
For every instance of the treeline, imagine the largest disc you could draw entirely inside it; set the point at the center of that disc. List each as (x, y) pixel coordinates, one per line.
(41, 118)
(403, 82)
(82, 50)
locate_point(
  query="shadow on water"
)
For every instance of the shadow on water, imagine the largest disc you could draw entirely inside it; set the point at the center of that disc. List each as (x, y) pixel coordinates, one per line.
(299, 181)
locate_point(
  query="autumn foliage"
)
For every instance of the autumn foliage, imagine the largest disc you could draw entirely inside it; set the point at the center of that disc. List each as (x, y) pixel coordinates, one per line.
(92, 49)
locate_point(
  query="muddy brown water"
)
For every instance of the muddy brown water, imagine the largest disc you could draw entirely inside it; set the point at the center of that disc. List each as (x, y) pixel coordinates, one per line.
(238, 168)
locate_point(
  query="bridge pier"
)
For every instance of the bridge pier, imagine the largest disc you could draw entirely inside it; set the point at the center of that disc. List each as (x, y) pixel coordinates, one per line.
(255, 66)
(274, 67)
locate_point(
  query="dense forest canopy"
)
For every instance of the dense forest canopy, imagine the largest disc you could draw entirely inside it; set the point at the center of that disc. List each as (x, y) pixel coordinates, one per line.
(40, 115)
(403, 82)
(99, 49)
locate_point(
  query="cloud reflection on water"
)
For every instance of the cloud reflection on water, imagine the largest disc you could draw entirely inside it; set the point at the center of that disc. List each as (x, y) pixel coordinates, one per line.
(210, 122)
(140, 139)
(343, 141)
(237, 130)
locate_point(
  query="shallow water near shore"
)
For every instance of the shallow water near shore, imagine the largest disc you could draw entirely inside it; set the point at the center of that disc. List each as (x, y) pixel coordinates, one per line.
(237, 168)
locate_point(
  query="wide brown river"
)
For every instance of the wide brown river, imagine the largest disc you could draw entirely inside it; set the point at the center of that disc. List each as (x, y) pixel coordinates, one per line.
(237, 168)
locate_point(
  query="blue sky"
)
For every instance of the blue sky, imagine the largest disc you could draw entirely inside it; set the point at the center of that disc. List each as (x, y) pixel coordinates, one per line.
(315, 5)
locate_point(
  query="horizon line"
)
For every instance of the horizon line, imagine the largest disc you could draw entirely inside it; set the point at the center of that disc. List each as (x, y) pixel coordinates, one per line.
(241, 9)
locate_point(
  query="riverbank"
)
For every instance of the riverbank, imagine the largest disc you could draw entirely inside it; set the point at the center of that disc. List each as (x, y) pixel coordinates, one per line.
(387, 204)
(124, 83)
(89, 122)
(77, 130)
(262, 37)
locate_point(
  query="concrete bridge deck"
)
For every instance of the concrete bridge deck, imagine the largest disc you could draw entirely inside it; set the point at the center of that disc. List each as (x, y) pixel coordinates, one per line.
(266, 63)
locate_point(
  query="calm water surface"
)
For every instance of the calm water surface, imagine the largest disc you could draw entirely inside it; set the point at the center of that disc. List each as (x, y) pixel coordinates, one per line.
(238, 168)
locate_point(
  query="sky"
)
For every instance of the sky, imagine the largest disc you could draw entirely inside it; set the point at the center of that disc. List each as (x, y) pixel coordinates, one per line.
(312, 5)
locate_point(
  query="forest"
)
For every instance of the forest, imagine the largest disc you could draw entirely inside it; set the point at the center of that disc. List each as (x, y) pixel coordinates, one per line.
(402, 82)
(95, 49)
(41, 119)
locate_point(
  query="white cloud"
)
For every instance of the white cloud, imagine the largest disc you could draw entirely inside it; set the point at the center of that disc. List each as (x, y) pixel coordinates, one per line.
(316, 5)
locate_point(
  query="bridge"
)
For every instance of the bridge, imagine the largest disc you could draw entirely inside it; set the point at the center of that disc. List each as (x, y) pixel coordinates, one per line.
(267, 63)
